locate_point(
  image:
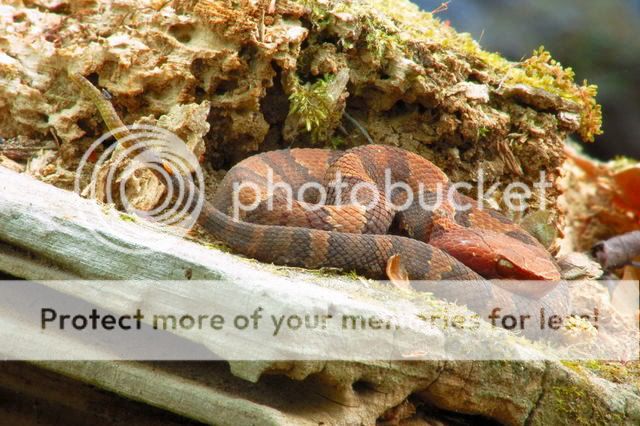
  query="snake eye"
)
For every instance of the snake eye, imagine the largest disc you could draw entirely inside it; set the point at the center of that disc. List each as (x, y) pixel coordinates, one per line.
(504, 263)
(506, 269)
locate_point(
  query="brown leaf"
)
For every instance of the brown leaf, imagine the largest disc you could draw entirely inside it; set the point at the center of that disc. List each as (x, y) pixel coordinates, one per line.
(628, 182)
(397, 272)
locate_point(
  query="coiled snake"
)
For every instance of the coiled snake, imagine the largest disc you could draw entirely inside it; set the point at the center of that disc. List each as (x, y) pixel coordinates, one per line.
(470, 246)
(449, 243)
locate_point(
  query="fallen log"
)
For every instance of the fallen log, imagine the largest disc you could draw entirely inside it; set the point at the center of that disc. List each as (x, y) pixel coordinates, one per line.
(45, 226)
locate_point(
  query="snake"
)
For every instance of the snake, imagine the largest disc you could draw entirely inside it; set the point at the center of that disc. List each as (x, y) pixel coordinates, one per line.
(485, 258)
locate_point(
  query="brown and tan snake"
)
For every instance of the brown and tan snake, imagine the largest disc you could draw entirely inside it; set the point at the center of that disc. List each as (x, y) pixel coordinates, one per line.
(448, 244)
(466, 247)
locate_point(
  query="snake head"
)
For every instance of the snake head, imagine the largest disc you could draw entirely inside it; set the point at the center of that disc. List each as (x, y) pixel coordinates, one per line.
(525, 264)
(498, 256)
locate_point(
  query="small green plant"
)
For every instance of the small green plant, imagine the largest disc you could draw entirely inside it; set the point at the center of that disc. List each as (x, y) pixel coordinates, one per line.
(483, 132)
(353, 275)
(337, 142)
(313, 104)
(318, 13)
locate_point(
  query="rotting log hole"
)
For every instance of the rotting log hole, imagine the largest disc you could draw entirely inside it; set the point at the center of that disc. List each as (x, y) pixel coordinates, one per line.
(200, 94)
(274, 106)
(363, 386)
(226, 86)
(415, 408)
(94, 78)
(182, 32)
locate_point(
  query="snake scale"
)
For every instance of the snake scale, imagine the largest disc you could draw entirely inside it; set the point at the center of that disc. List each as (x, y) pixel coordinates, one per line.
(447, 244)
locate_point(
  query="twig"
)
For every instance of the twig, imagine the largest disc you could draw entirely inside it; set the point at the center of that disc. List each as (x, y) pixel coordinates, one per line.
(163, 5)
(443, 7)
(359, 127)
(261, 26)
(55, 137)
(509, 158)
(618, 251)
(104, 107)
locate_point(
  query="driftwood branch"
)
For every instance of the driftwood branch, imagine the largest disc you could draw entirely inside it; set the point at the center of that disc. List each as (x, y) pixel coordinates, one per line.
(618, 251)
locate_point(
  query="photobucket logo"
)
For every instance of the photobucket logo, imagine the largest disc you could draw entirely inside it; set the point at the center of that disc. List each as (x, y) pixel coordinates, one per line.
(396, 195)
(131, 174)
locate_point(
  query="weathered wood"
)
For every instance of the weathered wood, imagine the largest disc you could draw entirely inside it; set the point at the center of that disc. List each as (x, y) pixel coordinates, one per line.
(19, 263)
(61, 227)
(173, 391)
(45, 226)
(33, 396)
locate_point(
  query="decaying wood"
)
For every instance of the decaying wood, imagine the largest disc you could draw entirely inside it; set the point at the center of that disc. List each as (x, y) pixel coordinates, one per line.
(56, 227)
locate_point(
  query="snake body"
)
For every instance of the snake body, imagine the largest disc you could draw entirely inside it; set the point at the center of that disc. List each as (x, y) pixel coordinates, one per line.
(467, 246)
(448, 244)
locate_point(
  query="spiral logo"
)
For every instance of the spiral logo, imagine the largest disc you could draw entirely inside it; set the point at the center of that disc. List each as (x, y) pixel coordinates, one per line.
(149, 173)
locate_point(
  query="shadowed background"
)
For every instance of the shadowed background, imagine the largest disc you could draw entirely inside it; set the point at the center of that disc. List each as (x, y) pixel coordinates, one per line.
(599, 39)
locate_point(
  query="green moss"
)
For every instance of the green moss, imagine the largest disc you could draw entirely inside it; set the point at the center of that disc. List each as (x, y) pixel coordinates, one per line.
(353, 275)
(313, 104)
(388, 26)
(324, 273)
(616, 372)
(575, 366)
(544, 72)
(382, 40)
(127, 218)
(337, 142)
(217, 246)
(483, 132)
(415, 21)
(575, 403)
(318, 13)
(566, 398)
